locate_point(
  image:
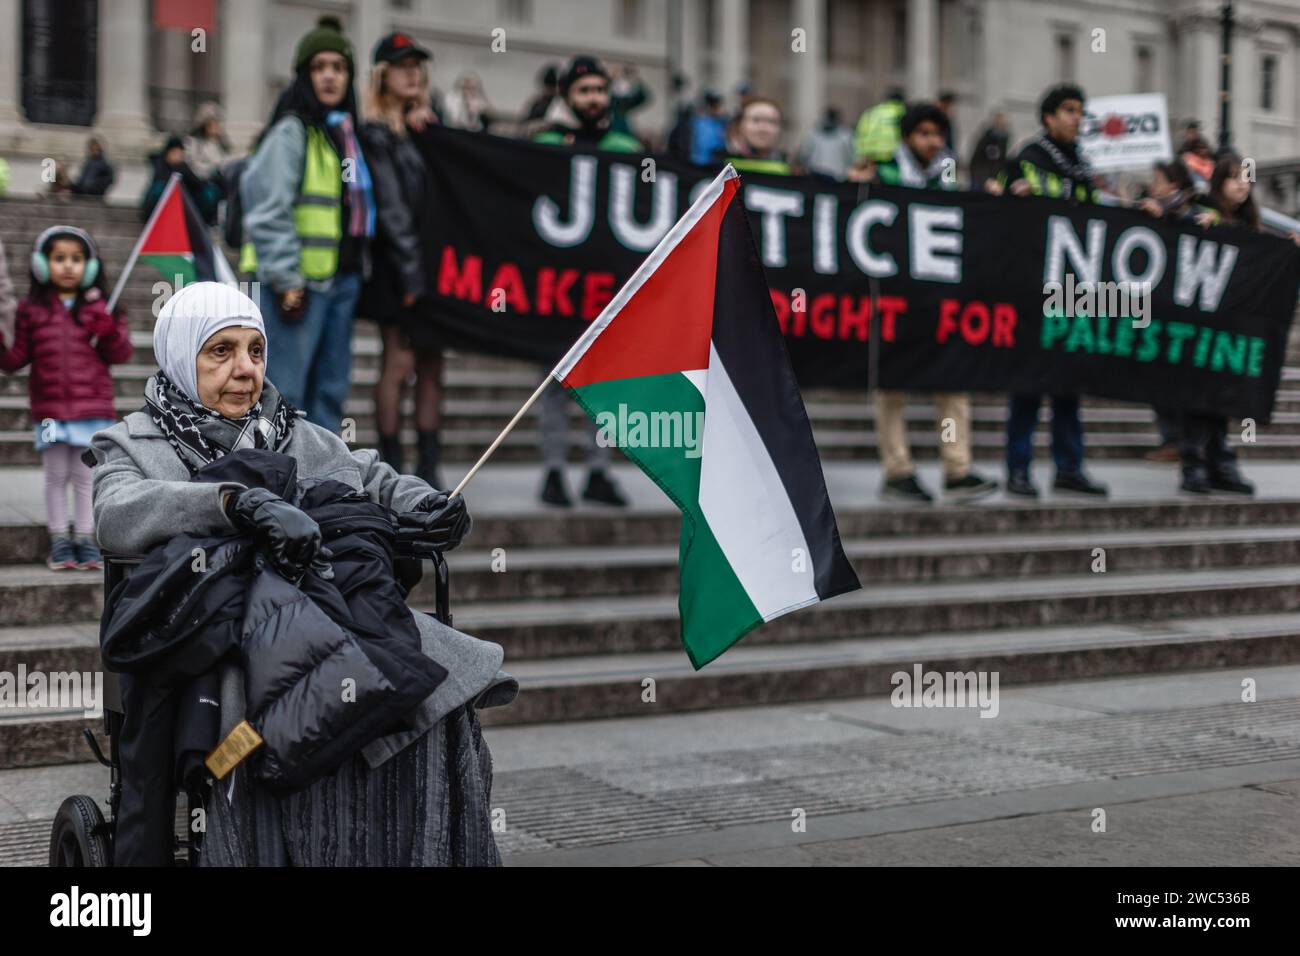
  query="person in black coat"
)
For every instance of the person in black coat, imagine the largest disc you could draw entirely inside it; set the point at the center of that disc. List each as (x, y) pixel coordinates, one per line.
(396, 294)
(96, 174)
(171, 159)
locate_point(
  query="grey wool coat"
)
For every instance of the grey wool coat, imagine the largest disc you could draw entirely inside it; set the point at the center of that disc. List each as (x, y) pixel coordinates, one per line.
(143, 496)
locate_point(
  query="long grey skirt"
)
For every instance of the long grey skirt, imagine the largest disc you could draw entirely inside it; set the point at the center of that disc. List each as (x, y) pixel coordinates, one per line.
(428, 805)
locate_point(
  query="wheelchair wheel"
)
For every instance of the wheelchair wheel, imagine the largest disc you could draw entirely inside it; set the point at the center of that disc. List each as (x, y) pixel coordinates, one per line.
(79, 836)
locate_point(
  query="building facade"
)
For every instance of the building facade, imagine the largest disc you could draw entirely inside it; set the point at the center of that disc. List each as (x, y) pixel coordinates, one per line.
(127, 72)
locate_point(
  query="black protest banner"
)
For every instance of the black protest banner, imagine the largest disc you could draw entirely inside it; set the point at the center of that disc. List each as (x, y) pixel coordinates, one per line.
(973, 292)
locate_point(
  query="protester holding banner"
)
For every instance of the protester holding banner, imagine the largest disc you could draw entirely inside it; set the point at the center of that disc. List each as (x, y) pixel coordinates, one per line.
(585, 88)
(395, 293)
(1050, 165)
(1170, 196)
(752, 139)
(922, 161)
(306, 225)
(1209, 462)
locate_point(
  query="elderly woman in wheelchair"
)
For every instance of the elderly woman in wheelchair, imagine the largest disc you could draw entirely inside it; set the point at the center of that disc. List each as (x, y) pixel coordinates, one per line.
(342, 724)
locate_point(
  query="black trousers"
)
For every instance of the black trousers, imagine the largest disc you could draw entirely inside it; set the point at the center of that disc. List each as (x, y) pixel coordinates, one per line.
(1204, 442)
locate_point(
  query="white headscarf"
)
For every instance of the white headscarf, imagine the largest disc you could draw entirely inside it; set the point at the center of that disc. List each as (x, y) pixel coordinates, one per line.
(191, 317)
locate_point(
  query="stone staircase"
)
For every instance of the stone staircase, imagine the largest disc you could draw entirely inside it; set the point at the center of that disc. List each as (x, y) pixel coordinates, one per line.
(587, 608)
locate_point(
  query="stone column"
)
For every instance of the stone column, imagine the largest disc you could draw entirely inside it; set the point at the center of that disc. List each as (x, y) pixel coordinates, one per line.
(809, 80)
(922, 27)
(11, 25)
(692, 62)
(123, 116)
(243, 43)
(733, 42)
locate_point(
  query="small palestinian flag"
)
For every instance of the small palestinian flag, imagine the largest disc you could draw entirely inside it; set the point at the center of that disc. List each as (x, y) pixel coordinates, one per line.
(687, 371)
(177, 243)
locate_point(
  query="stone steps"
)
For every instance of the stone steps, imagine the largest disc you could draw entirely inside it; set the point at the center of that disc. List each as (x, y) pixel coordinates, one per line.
(619, 625)
(604, 686)
(587, 606)
(31, 595)
(521, 445)
(461, 411)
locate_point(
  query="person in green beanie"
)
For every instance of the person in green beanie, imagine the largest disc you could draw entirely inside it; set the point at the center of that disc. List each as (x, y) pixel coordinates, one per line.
(309, 216)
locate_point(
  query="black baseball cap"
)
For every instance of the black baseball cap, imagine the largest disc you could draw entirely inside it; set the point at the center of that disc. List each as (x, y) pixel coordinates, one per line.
(397, 45)
(579, 67)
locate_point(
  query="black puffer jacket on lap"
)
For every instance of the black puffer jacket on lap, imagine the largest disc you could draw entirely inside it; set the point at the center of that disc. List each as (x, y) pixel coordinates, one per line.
(329, 664)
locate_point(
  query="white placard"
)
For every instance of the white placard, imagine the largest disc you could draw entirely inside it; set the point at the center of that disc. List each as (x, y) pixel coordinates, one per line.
(1125, 132)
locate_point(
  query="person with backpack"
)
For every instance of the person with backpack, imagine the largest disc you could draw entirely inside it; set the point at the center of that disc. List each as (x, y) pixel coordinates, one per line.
(308, 217)
(396, 294)
(1050, 165)
(64, 330)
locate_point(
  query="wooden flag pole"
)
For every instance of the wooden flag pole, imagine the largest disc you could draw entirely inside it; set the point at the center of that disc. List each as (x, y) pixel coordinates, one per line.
(497, 441)
(172, 182)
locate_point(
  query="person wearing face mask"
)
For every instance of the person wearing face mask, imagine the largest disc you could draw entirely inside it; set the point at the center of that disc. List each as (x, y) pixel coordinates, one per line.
(308, 218)
(211, 397)
(585, 89)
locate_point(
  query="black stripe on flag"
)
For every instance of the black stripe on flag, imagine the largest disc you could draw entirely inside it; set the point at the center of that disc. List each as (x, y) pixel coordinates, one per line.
(748, 339)
(200, 242)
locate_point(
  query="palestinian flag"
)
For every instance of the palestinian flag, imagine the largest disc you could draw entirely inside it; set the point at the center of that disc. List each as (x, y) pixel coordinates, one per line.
(687, 371)
(177, 243)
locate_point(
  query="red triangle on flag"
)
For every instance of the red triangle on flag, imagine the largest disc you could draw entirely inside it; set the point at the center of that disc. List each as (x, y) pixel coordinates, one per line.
(168, 235)
(667, 324)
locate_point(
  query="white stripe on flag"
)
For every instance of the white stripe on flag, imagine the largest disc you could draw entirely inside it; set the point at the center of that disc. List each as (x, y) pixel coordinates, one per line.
(746, 505)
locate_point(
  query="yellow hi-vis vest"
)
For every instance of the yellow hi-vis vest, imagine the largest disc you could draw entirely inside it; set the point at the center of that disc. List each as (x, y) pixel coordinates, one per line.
(317, 213)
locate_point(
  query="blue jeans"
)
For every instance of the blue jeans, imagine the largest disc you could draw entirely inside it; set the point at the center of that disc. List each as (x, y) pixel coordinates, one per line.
(1067, 432)
(310, 361)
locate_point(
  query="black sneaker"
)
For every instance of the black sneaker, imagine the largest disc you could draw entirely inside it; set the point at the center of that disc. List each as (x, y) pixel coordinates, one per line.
(905, 489)
(63, 555)
(1195, 481)
(1076, 482)
(1229, 479)
(1018, 483)
(602, 490)
(970, 487)
(553, 490)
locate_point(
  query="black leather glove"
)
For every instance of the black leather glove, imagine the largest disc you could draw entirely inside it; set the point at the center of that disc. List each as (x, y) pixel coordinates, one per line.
(437, 520)
(290, 538)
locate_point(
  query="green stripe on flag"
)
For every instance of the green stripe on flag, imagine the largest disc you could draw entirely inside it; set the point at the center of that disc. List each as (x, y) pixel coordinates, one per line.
(171, 266)
(715, 610)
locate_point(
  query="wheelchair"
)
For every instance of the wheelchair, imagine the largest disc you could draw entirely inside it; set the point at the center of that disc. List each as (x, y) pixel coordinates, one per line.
(81, 835)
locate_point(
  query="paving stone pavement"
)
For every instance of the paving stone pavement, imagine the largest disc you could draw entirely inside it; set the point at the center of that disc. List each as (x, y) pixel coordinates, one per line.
(878, 783)
(609, 802)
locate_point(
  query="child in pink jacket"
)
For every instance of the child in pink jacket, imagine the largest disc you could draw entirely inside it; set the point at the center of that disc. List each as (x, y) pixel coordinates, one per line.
(64, 330)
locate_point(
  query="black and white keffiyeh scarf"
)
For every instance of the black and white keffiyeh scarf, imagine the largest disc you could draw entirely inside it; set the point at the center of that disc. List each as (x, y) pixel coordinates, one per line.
(199, 435)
